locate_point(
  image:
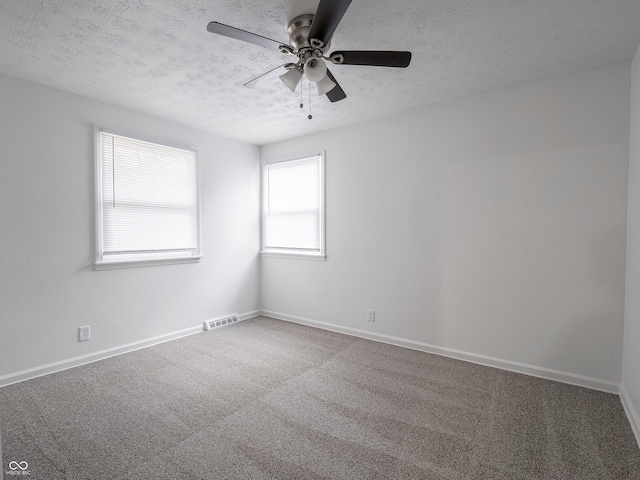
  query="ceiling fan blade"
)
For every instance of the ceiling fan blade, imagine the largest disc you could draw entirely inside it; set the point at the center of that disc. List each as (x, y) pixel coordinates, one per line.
(232, 32)
(327, 18)
(336, 93)
(373, 58)
(266, 77)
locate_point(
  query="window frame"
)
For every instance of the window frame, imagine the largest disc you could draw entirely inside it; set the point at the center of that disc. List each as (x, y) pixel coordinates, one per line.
(131, 260)
(288, 253)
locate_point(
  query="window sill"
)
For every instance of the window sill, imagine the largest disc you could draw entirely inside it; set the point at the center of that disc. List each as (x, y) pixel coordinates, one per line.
(144, 262)
(319, 257)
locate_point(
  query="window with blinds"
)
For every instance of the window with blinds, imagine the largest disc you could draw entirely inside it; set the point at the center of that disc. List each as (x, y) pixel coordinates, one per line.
(293, 206)
(147, 202)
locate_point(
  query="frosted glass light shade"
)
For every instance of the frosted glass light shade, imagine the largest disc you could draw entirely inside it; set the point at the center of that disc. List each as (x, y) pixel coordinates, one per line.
(315, 69)
(291, 79)
(325, 85)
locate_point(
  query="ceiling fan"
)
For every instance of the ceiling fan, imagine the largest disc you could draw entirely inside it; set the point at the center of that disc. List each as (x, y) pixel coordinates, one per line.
(310, 37)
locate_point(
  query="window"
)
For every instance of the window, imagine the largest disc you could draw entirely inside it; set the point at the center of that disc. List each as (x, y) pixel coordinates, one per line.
(147, 208)
(293, 207)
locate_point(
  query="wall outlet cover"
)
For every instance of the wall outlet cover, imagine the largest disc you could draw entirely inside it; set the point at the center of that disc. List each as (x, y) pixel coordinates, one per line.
(84, 333)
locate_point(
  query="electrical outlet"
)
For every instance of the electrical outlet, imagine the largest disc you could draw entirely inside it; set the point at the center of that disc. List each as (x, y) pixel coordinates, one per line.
(371, 315)
(84, 333)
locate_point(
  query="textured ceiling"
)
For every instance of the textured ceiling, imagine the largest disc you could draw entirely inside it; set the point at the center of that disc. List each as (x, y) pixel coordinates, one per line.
(157, 57)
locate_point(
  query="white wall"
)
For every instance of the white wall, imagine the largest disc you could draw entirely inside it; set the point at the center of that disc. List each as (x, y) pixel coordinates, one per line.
(48, 285)
(631, 369)
(490, 228)
(493, 226)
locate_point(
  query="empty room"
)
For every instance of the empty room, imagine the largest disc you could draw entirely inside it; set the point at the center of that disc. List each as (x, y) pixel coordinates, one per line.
(320, 239)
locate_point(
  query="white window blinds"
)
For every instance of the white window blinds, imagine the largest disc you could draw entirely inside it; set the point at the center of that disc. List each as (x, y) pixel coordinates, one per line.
(293, 217)
(148, 198)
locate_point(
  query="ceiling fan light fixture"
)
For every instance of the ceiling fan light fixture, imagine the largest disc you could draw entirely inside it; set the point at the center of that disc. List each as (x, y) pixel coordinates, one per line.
(291, 79)
(310, 37)
(315, 69)
(325, 85)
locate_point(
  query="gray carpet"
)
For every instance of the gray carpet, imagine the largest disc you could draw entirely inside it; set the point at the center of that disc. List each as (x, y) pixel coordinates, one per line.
(266, 399)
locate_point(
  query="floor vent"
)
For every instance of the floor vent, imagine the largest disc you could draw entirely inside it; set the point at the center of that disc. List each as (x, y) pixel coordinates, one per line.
(220, 322)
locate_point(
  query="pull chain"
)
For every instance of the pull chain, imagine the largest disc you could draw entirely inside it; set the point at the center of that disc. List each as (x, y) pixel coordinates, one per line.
(310, 116)
(301, 104)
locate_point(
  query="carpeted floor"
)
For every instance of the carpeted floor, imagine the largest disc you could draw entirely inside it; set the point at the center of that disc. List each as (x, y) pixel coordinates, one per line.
(266, 399)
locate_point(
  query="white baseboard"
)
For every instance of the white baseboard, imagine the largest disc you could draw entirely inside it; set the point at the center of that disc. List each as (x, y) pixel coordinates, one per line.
(248, 315)
(632, 413)
(102, 354)
(533, 370)
(527, 369)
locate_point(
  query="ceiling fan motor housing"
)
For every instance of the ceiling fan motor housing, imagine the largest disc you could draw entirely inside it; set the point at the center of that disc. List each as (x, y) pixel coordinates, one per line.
(298, 30)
